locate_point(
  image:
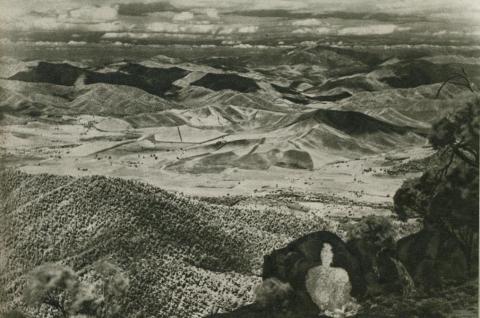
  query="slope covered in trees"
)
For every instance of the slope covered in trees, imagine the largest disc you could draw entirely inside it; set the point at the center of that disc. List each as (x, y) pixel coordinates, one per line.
(183, 257)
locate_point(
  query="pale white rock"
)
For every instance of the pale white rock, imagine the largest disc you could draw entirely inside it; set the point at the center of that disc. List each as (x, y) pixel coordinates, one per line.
(330, 287)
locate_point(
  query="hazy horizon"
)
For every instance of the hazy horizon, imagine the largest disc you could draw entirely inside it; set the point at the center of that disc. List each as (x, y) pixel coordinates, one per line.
(111, 21)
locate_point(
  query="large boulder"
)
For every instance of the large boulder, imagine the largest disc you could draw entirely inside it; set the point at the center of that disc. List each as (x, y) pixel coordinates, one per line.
(382, 272)
(366, 254)
(434, 258)
(288, 268)
(292, 263)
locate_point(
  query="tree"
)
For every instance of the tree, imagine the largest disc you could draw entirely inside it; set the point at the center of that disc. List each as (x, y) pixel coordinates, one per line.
(60, 288)
(376, 230)
(458, 78)
(372, 242)
(53, 285)
(459, 134)
(447, 196)
(103, 299)
(414, 196)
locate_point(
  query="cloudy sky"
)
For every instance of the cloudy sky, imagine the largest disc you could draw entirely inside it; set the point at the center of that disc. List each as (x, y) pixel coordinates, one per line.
(143, 19)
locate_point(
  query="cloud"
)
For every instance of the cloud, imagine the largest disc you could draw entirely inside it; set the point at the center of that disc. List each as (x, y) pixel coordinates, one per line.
(86, 18)
(52, 23)
(440, 33)
(92, 14)
(25, 24)
(77, 43)
(183, 16)
(321, 30)
(195, 28)
(308, 22)
(245, 29)
(163, 27)
(248, 29)
(117, 36)
(106, 27)
(141, 9)
(377, 29)
(212, 13)
(249, 46)
(126, 35)
(166, 27)
(118, 43)
(200, 28)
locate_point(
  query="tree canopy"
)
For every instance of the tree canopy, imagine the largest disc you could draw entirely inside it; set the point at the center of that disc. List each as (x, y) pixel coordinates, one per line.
(446, 196)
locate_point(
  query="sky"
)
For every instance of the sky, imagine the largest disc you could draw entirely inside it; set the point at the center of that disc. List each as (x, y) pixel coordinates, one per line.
(231, 19)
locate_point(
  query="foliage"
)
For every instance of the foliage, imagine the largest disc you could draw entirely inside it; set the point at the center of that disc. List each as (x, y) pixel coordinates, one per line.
(459, 134)
(60, 288)
(273, 293)
(377, 230)
(53, 285)
(447, 196)
(459, 79)
(414, 196)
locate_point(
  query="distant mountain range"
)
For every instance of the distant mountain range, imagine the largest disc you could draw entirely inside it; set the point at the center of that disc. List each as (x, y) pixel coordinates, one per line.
(303, 109)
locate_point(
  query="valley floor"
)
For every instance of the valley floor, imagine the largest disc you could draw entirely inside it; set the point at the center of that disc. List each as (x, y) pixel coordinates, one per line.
(77, 151)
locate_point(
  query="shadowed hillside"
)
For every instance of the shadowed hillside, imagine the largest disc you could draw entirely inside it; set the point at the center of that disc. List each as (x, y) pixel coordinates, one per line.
(234, 82)
(353, 123)
(155, 81)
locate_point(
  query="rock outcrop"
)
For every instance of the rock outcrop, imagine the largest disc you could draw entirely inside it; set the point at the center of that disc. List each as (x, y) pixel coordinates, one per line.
(433, 258)
(382, 272)
(299, 261)
(292, 263)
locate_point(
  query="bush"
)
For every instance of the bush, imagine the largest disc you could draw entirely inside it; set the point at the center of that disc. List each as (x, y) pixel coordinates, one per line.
(59, 287)
(273, 293)
(414, 196)
(53, 285)
(377, 230)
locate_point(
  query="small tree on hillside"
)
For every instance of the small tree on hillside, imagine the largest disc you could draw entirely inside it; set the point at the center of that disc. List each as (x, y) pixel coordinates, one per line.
(104, 298)
(52, 285)
(59, 288)
(459, 135)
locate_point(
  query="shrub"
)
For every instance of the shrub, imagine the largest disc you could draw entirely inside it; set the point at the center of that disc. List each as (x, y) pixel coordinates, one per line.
(377, 230)
(59, 287)
(273, 293)
(53, 285)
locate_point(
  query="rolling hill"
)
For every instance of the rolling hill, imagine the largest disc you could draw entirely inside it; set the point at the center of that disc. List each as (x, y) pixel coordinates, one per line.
(183, 257)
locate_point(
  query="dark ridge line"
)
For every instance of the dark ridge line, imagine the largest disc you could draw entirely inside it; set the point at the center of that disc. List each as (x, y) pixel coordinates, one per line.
(396, 128)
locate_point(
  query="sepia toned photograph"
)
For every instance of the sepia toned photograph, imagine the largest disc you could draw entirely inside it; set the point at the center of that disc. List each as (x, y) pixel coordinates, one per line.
(239, 158)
